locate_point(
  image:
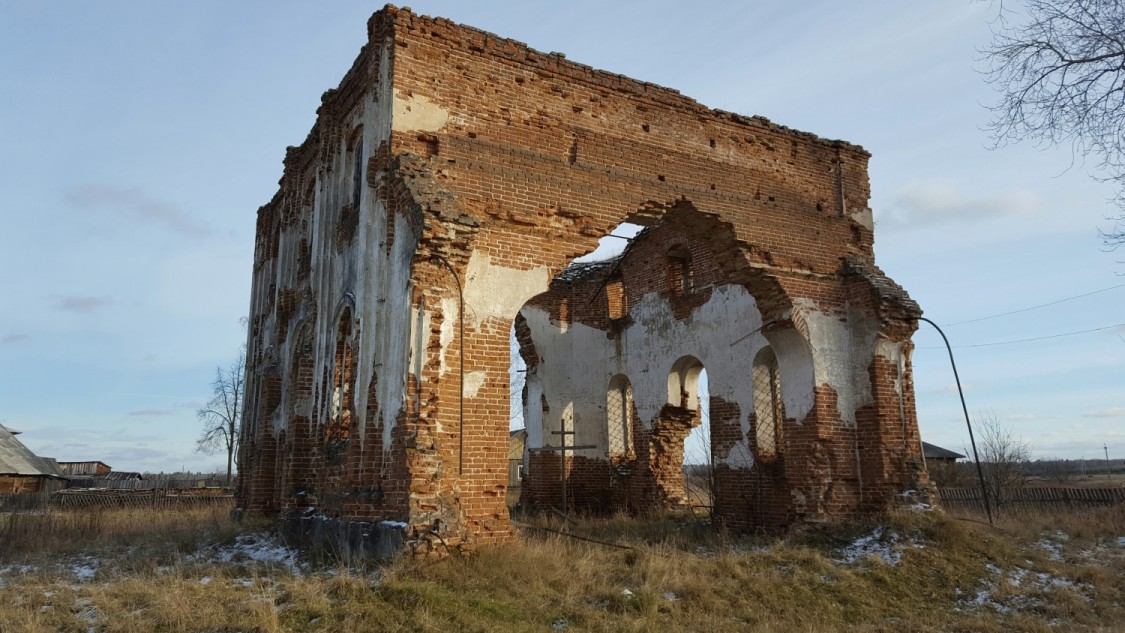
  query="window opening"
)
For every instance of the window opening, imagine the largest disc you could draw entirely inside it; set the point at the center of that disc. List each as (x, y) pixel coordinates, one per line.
(357, 170)
(679, 271)
(768, 409)
(619, 417)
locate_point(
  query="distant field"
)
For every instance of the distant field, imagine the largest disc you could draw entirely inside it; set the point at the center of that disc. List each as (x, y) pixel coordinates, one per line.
(192, 570)
(1116, 480)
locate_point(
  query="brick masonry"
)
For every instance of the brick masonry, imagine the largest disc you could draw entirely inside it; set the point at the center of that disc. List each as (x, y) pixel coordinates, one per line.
(447, 184)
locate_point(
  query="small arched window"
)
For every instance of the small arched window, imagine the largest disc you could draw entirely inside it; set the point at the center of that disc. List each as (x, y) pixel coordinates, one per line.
(343, 377)
(678, 269)
(356, 156)
(683, 383)
(768, 409)
(615, 299)
(619, 416)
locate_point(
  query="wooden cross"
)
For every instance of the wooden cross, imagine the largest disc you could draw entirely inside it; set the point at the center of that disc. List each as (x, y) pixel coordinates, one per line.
(562, 451)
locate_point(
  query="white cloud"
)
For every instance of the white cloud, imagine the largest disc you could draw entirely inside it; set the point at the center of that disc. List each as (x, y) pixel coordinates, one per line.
(931, 202)
(81, 304)
(140, 206)
(1112, 412)
(150, 412)
(1029, 417)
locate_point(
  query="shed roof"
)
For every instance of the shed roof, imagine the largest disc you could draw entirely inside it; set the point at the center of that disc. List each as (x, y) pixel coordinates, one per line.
(121, 475)
(81, 468)
(932, 451)
(17, 459)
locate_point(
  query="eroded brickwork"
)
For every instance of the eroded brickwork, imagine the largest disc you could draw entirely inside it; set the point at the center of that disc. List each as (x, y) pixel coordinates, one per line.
(446, 186)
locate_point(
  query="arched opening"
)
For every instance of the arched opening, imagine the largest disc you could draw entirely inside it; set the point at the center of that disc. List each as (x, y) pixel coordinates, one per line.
(564, 391)
(341, 405)
(355, 161)
(698, 463)
(678, 270)
(519, 345)
(768, 408)
(617, 306)
(683, 383)
(619, 418)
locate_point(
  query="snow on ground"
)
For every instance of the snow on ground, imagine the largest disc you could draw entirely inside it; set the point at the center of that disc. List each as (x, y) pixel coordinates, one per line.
(258, 548)
(247, 548)
(1053, 544)
(1027, 582)
(886, 545)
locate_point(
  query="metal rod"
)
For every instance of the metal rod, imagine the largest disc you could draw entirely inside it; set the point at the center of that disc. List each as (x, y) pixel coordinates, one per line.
(461, 354)
(972, 441)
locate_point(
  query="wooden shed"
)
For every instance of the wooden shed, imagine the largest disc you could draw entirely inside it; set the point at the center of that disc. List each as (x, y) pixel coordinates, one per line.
(21, 471)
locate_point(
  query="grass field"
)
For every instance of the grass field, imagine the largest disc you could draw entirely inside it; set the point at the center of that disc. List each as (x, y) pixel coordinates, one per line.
(192, 570)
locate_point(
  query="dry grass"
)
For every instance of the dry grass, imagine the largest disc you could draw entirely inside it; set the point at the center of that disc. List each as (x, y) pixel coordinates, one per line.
(32, 534)
(663, 574)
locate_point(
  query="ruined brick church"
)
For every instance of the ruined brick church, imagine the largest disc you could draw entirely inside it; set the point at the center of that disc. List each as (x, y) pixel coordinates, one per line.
(433, 215)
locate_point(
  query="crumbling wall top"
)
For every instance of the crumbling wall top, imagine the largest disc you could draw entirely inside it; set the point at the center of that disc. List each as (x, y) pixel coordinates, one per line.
(554, 63)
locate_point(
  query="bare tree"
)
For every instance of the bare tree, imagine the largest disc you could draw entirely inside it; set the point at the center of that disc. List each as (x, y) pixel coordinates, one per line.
(222, 416)
(1059, 66)
(1003, 456)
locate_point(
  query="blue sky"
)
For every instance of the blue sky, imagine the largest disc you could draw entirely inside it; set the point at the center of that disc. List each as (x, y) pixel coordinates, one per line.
(137, 140)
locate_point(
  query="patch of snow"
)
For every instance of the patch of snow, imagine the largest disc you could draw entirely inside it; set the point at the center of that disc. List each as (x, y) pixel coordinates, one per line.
(671, 597)
(886, 545)
(1027, 581)
(1053, 548)
(84, 571)
(1017, 576)
(919, 505)
(258, 548)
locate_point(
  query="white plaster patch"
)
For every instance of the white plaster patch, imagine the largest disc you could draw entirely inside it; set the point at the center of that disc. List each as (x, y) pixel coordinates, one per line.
(722, 334)
(843, 349)
(794, 361)
(571, 395)
(449, 326)
(739, 456)
(498, 292)
(417, 113)
(892, 352)
(864, 218)
(474, 380)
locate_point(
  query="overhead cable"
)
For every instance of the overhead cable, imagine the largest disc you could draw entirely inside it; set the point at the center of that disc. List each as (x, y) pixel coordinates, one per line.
(1044, 305)
(1037, 338)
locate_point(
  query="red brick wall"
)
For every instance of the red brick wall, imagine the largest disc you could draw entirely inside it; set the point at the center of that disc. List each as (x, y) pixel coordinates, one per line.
(537, 158)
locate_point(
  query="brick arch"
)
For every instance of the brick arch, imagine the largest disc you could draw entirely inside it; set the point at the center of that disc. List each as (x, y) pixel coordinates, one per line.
(683, 383)
(733, 256)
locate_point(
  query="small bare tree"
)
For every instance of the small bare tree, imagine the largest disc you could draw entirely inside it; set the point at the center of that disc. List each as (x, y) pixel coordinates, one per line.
(1003, 456)
(1059, 67)
(222, 416)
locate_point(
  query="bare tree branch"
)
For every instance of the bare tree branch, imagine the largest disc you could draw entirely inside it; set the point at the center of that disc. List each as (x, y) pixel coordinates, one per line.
(1059, 68)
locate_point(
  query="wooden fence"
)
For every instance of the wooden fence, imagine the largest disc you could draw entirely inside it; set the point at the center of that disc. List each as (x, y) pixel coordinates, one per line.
(152, 498)
(1033, 498)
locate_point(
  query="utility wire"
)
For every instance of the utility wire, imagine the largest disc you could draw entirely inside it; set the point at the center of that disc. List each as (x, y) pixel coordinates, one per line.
(1044, 305)
(1037, 338)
